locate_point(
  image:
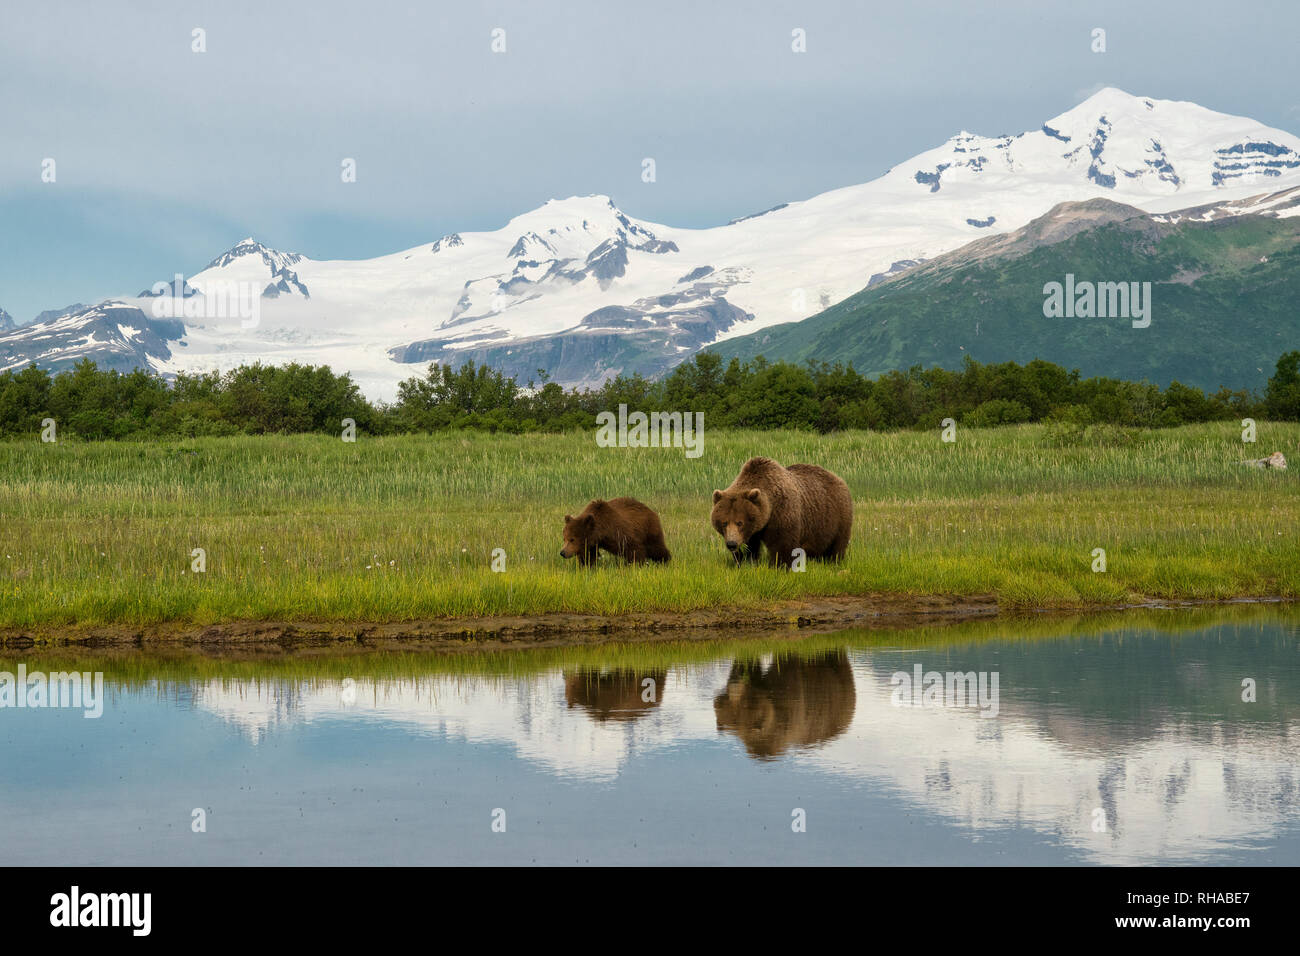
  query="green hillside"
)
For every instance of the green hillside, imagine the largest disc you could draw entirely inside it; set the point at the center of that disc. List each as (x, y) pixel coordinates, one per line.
(1225, 302)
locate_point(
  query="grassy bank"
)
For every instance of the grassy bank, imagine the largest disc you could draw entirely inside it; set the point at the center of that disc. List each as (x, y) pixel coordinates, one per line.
(402, 528)
(172, 665)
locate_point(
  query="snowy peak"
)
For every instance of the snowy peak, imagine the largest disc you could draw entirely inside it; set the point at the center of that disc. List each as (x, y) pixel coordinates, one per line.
(50, 314)
(1113, 140)
(453, 241)
(572, 229)
(1077, 121)
(1123, 109)
(249, 261)
(6, 321)
(249, 246)
(1173, 142)
(578, 246)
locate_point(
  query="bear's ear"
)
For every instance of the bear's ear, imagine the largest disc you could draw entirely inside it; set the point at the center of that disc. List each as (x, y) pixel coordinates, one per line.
(753, 494)
(568, 518)
(589, 521)
(717, 496)
(598, 503)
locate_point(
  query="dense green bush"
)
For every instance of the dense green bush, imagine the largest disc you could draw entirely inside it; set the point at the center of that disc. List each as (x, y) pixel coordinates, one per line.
(1282, 396)
(997, 411)
(92, 403)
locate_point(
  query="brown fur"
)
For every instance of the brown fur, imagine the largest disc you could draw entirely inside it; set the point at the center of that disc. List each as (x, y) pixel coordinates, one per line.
(803, 506)
(793, 703)
(621, 526)
(614, 695)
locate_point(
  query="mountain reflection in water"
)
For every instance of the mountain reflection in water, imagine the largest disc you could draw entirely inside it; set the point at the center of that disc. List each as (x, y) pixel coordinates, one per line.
(1144, 727)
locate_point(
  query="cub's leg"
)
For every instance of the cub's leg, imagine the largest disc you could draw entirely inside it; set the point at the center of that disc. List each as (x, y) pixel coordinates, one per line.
(657, 549)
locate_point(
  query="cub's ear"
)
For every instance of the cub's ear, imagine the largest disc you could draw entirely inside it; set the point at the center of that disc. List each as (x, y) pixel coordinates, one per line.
(568, 518)
(717, 496)
(589, 521)
(753, 494)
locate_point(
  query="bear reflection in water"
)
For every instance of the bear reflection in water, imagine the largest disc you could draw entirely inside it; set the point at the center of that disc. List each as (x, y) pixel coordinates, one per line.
(794, 702)
(614, 694)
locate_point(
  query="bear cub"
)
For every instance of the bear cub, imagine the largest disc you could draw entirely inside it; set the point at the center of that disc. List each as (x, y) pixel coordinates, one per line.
(621, 526)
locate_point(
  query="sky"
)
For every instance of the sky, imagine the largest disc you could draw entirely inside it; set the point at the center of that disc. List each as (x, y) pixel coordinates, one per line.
(164, 157)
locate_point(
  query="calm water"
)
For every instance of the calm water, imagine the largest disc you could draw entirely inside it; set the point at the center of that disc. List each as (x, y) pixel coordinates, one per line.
(1142, 731)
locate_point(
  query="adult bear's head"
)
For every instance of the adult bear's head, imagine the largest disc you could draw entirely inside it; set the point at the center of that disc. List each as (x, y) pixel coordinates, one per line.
(739, 515)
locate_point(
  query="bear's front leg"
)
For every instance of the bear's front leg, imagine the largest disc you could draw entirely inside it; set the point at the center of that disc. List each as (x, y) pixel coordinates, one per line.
(780, 554)
(588, 556)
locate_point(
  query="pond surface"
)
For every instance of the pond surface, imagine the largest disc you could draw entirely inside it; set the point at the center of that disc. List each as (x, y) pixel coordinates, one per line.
(1109, 741)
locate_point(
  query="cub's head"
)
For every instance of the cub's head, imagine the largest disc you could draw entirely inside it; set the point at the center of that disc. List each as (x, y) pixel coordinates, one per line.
(577, 532)
(739, 515)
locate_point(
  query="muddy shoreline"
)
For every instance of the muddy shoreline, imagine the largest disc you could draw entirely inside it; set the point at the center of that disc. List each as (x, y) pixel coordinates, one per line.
(793, 618)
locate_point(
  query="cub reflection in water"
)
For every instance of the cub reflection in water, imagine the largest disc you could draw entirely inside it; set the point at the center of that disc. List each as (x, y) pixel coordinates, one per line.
(614, 694)
(794, 702)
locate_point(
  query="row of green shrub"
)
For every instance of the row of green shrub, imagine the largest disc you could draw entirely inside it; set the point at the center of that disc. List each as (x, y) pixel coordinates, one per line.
(93, 403)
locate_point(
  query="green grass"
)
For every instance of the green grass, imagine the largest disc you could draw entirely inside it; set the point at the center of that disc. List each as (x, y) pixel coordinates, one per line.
(310, 528)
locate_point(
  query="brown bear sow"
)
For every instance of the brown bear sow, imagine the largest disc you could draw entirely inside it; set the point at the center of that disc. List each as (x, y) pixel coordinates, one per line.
(621, 526)
(803, 506)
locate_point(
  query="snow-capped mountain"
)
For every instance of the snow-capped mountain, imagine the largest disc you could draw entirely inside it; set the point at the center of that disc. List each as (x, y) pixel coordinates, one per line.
(49, 314)
(582, 289)
(6, 321)
(250, 261)
(115, 334)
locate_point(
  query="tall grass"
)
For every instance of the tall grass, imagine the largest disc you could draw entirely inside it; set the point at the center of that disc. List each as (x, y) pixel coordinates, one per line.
(311, 528)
